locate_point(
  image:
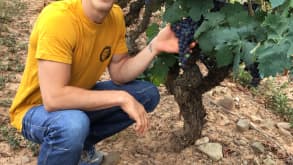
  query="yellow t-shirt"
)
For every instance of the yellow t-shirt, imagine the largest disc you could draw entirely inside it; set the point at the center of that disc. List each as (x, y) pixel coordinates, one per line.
(63, 33)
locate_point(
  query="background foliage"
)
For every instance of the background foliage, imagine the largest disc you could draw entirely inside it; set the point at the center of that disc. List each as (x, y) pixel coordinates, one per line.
(233, 33)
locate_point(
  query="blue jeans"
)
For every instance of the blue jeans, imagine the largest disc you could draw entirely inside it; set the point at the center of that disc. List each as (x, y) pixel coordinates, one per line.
(64, 134)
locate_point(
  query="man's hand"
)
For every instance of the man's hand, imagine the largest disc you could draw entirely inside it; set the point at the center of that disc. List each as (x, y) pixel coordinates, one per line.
(166, 41)
(136, 111)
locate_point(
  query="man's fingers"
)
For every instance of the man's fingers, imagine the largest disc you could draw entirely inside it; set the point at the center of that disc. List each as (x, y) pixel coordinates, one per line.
(145, 127)
(142, 124)
(138, 126)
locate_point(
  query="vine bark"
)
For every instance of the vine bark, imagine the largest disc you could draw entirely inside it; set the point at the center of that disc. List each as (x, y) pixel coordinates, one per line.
(188, 89)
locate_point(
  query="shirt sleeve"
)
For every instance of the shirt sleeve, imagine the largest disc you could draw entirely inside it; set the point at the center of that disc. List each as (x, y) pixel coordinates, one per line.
(56, 37)
(121, 47)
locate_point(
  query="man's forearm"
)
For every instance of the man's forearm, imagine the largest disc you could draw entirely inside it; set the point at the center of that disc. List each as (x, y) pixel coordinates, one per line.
(77, 98)
(132, 67)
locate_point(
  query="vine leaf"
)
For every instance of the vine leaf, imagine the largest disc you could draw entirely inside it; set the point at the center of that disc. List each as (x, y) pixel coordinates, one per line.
(174, 13)
(211, 20)
(273, 58)
(152, 31)
(215, 18)
(160, 68)
(276, 25)
(246, 48)
(224, 56)
(276, 3)
(199, 8)
(242, 17)
(205, 42)
(224, 35)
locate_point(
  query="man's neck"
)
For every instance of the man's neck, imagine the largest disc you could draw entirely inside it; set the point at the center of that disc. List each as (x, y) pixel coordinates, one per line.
(94, 15)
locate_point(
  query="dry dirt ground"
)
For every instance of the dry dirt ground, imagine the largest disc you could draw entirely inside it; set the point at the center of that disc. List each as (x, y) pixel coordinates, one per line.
(155, 148)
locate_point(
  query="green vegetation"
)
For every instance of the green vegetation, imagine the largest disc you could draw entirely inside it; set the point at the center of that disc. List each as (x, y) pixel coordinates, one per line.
(5, 103)
(244, 78)
(276, 98)
(11, 49)
(8, 9)
(11, 136)
(233, 35)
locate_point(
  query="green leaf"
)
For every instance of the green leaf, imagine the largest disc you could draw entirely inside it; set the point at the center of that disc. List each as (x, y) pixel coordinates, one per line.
(231, 9)
(152, 31)
(276, 25)
(218, 38)
(211, 20)
(273, 58)
(168, 59)
(276, 3)
(222, 36)
(206, 43)
(174, 13)
(242, 17)
(224, 56)
(204, 27)
(198, 8)
(159, 71)
(248, 57)
(285, 8)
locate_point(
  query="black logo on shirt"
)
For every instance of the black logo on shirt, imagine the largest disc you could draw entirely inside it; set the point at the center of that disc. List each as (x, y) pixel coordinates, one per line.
(105, 54)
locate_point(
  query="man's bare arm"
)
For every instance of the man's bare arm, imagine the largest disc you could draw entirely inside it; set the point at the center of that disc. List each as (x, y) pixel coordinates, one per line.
(124, 68)
(58, 95)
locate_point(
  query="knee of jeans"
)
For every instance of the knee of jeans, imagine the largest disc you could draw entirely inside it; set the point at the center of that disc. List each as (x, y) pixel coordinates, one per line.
(154, 95)
(71, 131)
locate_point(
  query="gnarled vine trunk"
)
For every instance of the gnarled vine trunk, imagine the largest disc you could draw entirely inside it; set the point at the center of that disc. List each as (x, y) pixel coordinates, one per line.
(189, 99)
(188, 89)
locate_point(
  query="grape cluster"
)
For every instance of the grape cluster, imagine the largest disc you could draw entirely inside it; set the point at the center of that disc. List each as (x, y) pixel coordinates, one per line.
(254, 72)
(184, 31)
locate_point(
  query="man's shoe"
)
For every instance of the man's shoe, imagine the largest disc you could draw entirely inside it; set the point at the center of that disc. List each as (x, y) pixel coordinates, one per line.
(91, 157)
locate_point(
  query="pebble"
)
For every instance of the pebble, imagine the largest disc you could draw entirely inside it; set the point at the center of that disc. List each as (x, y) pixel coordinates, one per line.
(213, 150)
(284, 132)
(243, 125)
(268, 124)
(258, 147)
(227, 102)
(25, 159)
(269, 161)
(284, 125)
(202, 140)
